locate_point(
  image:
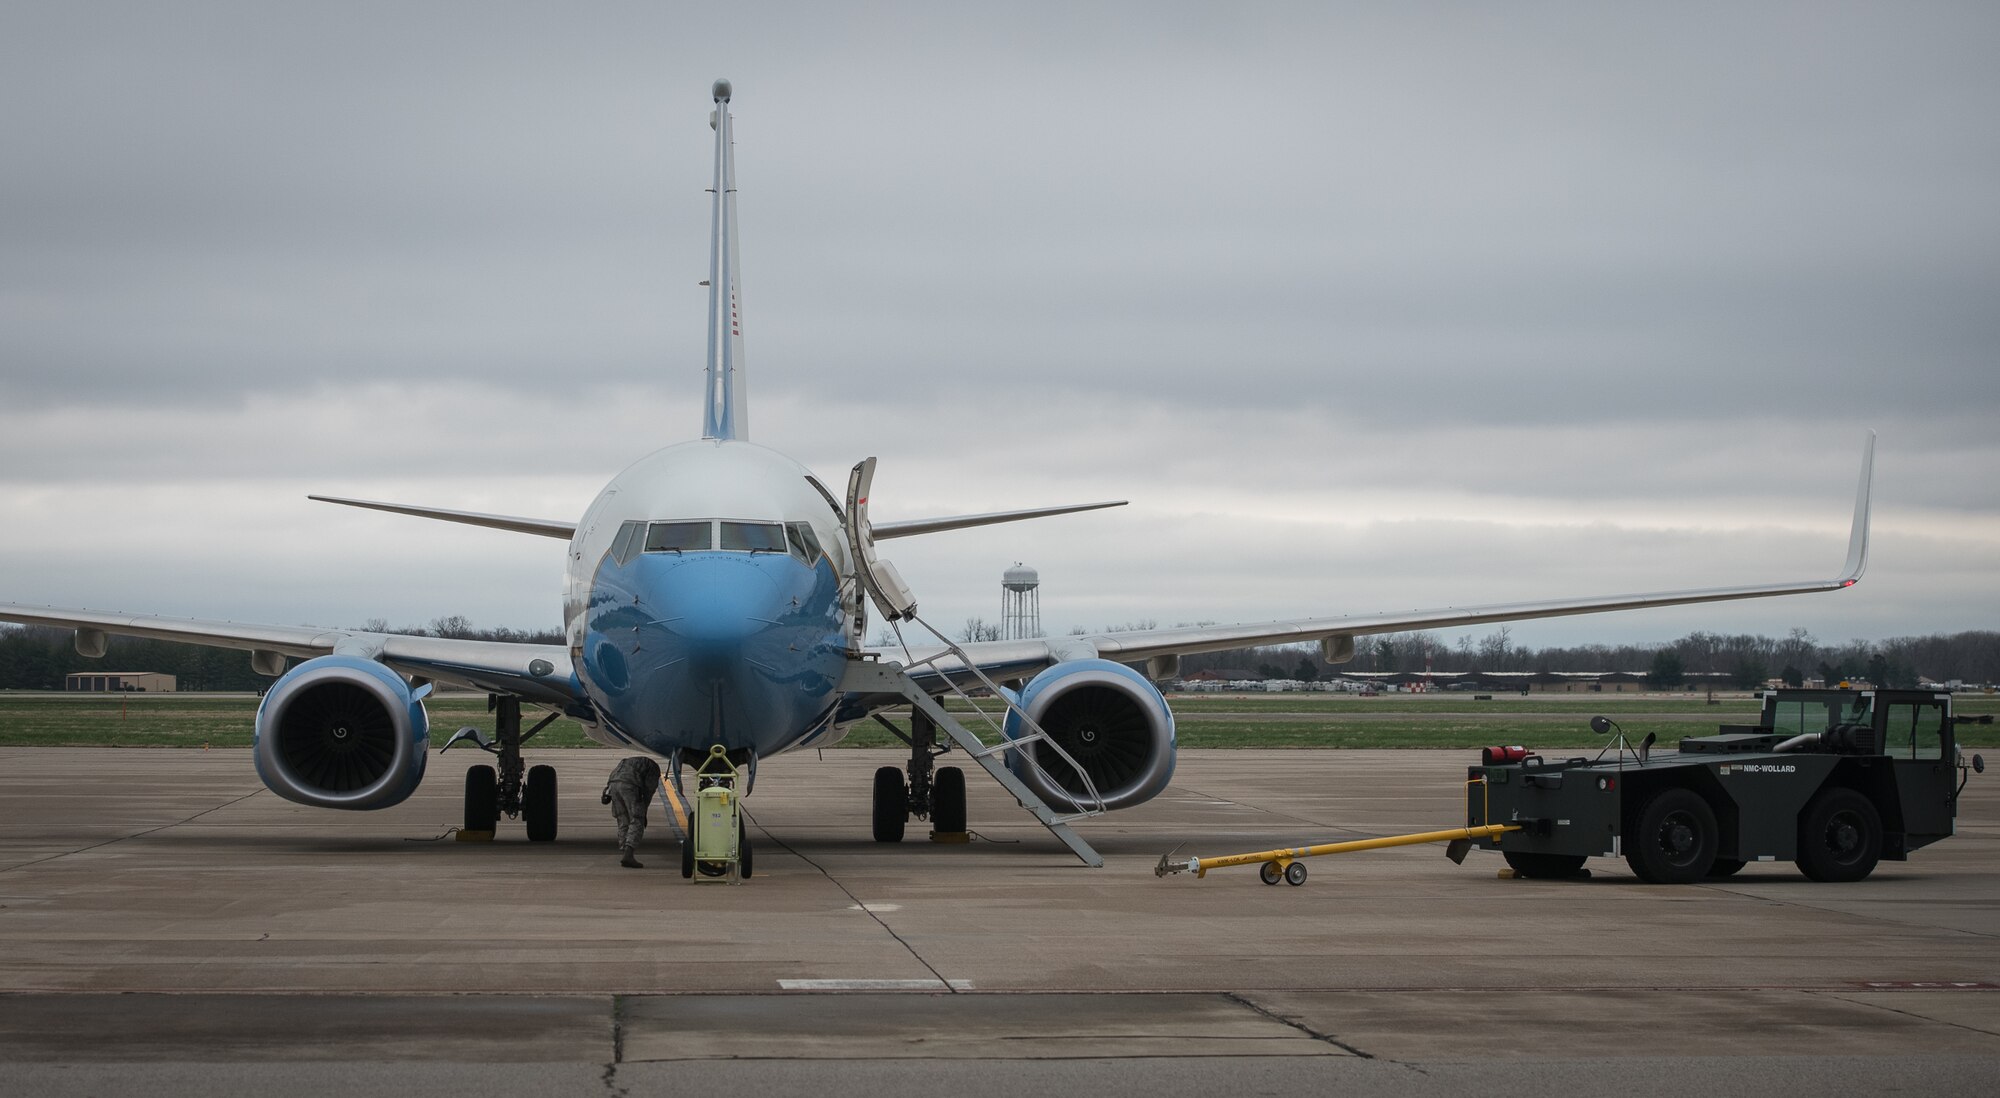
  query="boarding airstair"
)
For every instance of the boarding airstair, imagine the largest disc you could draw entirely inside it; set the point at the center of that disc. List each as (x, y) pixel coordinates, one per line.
(951, 666)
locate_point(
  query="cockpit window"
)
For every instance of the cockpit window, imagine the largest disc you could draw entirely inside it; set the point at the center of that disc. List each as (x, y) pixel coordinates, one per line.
(753, 537)
(804, 545)
(680, 537)
(626, 545)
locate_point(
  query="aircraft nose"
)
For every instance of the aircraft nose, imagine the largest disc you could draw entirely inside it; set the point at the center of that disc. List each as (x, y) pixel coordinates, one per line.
(715, 604)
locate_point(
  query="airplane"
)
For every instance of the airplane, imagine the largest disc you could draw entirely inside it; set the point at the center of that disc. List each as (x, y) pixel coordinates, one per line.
(717, 593)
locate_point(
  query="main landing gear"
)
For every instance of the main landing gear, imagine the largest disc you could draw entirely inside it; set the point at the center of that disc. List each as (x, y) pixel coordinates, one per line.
(527, 792)
(930, 791)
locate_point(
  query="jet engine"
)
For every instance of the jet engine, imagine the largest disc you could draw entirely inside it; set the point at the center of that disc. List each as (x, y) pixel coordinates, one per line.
(342, 732)
(1110, 719)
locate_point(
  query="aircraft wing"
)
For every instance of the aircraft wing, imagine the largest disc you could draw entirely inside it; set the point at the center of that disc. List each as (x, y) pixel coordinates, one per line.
(548, 528)
(882, 530)
(537, 672)
(1012, 659)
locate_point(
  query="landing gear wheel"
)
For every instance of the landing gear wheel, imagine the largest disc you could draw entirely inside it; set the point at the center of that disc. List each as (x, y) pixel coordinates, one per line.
(742, 849)
(1543, 867)
(1295, 874)
(687, 848)
(1725, 867)
(538, 804)
(948, 800)
(1840, 836)
(892, 805)
(1676, 839)
(1269, 873)
(482, 798)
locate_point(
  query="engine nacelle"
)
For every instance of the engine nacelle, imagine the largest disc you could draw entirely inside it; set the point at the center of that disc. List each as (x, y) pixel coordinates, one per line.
(342, 732)
(1113, 722)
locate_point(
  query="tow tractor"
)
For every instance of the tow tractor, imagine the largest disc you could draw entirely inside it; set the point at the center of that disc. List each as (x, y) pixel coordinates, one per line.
(1834, 780)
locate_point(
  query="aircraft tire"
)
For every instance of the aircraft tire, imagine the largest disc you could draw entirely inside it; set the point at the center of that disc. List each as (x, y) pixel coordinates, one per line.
(538, 804)
(1725, 867)
(892, 805)
(482, 799)
(948, 799)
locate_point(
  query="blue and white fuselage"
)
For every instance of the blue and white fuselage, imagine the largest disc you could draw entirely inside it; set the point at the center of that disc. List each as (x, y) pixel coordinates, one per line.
(708, 602)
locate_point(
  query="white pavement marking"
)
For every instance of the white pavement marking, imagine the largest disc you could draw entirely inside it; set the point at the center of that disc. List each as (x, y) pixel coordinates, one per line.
(875, 985)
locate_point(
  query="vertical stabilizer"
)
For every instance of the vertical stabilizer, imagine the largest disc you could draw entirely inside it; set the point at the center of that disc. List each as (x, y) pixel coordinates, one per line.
(726, 414)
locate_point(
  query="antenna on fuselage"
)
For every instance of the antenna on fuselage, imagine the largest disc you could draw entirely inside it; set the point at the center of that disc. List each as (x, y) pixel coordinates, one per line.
(724, 413)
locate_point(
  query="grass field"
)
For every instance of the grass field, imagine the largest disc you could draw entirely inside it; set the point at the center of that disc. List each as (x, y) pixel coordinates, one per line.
(1295, 720)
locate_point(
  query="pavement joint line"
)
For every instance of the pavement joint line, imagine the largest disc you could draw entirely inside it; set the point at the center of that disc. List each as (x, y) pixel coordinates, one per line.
(655, 993)
(849, 893)
(1910, 1014)
(135, 834)
(617, 1036)
(1294, 1023)
(1897, 923)
(875, 985)
(1268, 811)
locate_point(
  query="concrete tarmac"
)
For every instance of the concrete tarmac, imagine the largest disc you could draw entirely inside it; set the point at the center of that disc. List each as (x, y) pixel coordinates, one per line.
(164, 917)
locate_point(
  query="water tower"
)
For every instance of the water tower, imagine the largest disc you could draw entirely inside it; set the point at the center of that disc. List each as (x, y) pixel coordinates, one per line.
(1020, 603)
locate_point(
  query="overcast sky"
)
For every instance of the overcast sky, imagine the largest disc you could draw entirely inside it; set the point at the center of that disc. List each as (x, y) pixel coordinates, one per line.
(1363, 307)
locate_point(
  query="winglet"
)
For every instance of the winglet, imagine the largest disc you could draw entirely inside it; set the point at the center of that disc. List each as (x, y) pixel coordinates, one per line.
(1857, 539)
(725, 414)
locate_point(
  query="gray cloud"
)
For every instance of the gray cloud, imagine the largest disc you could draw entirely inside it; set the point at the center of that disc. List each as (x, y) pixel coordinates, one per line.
(1535, 298)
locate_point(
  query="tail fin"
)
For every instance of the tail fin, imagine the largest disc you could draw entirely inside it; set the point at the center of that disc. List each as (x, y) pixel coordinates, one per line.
(726, 414)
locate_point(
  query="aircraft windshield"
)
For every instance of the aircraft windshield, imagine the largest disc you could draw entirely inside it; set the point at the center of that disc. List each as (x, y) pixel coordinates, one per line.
(804, 545)
(679, 537)
(753, 537)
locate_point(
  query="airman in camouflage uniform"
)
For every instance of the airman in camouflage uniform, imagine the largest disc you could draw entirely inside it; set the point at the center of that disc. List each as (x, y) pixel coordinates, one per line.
(628, 793)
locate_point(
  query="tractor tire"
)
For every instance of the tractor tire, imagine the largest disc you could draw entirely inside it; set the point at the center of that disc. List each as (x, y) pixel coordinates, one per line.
(1840, 836)
(1676, 839)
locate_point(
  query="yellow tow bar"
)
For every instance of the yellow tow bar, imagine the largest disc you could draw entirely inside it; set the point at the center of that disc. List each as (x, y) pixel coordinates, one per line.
(1283, 863)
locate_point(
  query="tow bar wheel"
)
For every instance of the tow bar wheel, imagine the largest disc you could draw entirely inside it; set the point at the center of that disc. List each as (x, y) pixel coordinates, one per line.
(1292, 873)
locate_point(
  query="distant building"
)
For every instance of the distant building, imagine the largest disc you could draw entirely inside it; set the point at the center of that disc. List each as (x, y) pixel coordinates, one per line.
(104, 682)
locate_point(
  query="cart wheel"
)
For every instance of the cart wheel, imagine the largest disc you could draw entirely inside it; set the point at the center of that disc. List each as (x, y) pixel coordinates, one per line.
(687, 848)
(742, 849)
(1295, 873)
(1269, 873)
